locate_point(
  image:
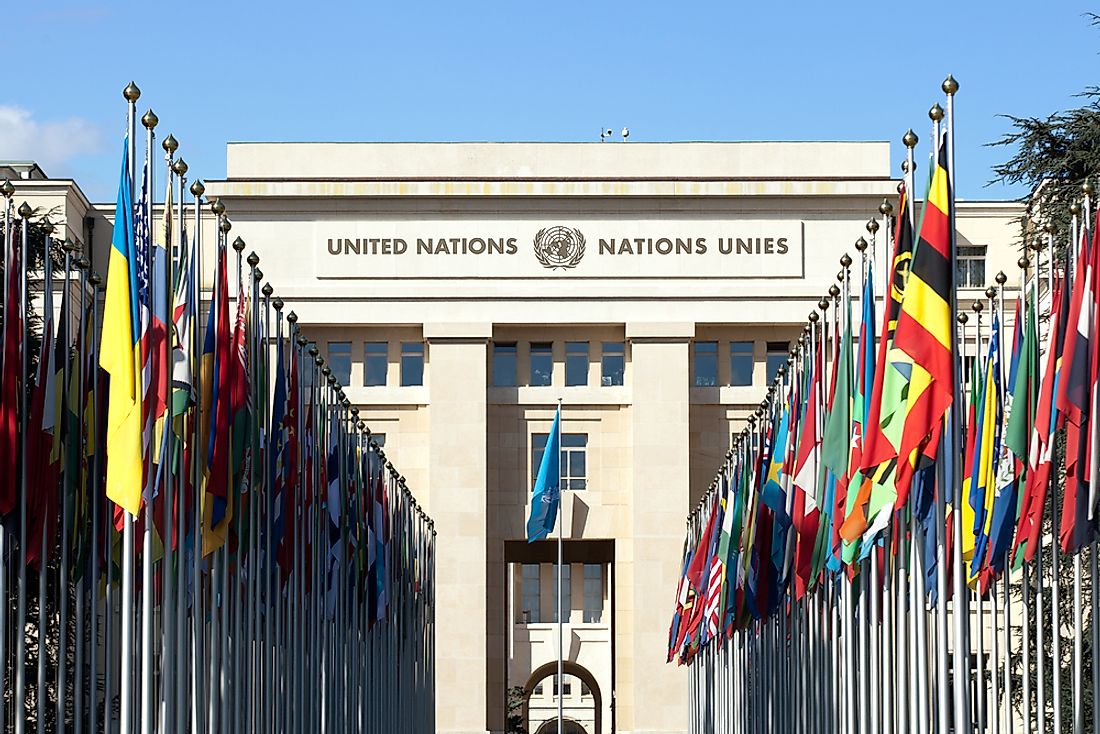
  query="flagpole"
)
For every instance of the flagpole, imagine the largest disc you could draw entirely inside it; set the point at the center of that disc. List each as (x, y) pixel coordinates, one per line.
(1025, 708)
(66, 520)
(180, 657)
(198, 616)
(1006, 638)
(996, 322)
(149, 120)
(47, 323)
(95, 501)
(169, 656)
(980, 689)
(1094, 566)
(6, 190)
(561, 623)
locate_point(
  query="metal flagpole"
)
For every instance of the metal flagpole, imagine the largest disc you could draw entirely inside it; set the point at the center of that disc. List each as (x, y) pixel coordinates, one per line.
(1094, 571)
(180, 659)
(1078, 680)
(149, 120)
(66, 517)
(169, 656)
(40, 693)
(20, 715)
(95, 501)
(996, 317)
(79, 687)
(561, 622)
(198, 614)
(979, 622)
(1006, 639)
(6, 190)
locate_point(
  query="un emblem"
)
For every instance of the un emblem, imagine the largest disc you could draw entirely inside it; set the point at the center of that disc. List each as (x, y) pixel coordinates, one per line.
(559, 247)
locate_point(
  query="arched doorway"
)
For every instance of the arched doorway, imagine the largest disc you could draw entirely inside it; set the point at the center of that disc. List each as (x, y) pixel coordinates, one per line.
(589, 690)
(568, 727)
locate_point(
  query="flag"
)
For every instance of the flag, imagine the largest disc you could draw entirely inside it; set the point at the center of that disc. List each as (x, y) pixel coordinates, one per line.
(986, 449)
(925, 330)
(120, 357)
(715, 600)
(217, 393)
(183, 389)
(11, 369)
(546, 494)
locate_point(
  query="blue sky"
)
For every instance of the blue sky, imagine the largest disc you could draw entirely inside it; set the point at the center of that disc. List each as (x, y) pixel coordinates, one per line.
(218, 72)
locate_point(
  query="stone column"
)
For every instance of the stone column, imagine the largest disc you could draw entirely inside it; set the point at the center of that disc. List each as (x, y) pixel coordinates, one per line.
(457, 501)
(652, 695)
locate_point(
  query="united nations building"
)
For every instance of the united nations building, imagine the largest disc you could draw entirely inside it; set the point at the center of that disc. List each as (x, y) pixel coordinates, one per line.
(460, 291)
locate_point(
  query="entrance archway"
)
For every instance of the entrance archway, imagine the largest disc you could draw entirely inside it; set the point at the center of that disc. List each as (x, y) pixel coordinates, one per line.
(568, 727)
(568, 668)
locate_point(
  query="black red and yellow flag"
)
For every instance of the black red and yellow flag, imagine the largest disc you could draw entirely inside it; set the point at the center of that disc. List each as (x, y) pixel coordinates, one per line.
(925, 329)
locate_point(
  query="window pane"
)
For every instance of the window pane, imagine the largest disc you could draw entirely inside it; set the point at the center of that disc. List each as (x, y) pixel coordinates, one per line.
(577, 463)
(529, 594)
(538, 446)
(593, 592)
(542, 364)
(375, 363)
(412, 363)
(573, 440)
(706, 364)
(777, 357)
(614, 363)
(504, 365)
(566, 596)
(339, 360)
(741, 363)
(576, 363)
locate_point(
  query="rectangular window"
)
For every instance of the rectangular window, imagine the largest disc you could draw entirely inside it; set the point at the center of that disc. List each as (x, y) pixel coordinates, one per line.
(504, 364)
(970, 266)
(566, 596)
(412, 364)
(339, 360)
(706, 364)
(576, 363)
(542, 364)
(574, 459)
(375, 363)
(777, 357)
(614, 363)
(529, 594)
(740, 363)
(593, 592)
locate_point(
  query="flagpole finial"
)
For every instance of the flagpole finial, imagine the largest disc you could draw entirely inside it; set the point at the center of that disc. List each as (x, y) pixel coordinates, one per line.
(131, 92)
(886, 209)
(813, 317)
(991, 293)
(226, 225)
(25, 210)
(292, 318)
(238, 244)
(861, 245)
(910, 139)
(47, 227)
(846, 259)
(267, 290)
(962, 318)
(216, 206)
(150, 119)
(83, 263)
(277, 303)
(198, 189)
(976, 307)
(315, 354)
(170, 144)
(7, 189)
(1049, 228)
(253, 259)
(1075, 208)
(95, 280)
(834, 291)
(1023, 262)
(179, 167)
(1001, 278)
(823, 304)
(257, 275)
(872, 226)
(68, 246)
(949, 86)
(1086, 188)
(936, 113)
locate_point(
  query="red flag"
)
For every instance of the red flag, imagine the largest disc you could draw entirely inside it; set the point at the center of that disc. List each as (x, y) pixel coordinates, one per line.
(10, 383)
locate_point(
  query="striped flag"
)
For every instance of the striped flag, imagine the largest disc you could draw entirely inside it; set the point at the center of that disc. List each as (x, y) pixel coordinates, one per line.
(925, 331)
(120, 356)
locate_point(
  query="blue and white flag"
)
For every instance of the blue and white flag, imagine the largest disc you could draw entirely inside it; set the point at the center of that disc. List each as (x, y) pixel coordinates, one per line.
(547, 490)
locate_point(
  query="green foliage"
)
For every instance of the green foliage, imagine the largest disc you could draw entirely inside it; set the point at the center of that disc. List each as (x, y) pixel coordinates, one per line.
(1053, 156)
(514, 723)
